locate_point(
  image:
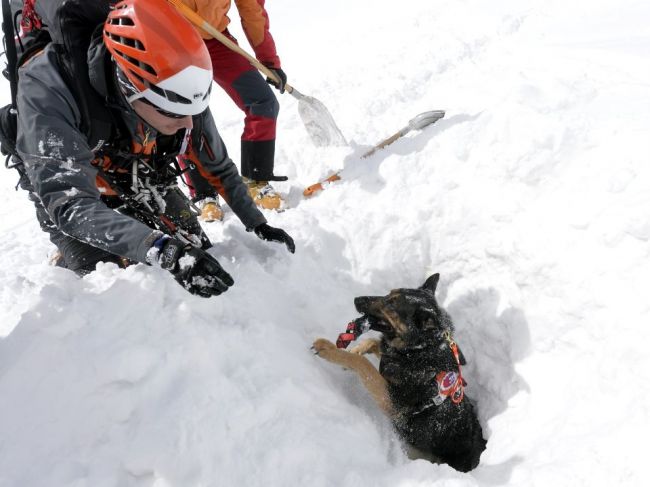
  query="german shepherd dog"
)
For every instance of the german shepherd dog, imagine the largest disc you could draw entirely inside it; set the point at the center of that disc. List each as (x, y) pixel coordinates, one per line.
(419, 383)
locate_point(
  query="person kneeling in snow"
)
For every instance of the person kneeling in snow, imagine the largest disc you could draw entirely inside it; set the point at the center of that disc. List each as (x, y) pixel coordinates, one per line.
(99, 132)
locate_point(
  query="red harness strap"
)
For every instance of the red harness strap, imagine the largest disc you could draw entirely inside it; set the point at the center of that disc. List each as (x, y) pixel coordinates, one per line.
(29, 18)
(450, 383)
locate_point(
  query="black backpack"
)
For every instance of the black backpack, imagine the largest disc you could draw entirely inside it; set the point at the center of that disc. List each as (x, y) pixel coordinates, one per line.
(70, 25)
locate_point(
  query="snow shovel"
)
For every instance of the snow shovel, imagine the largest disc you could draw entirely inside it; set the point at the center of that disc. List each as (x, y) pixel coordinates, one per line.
(318, 121)
(418, 123)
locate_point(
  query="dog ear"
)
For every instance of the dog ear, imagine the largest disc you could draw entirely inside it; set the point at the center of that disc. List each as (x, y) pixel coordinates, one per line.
(431, 283)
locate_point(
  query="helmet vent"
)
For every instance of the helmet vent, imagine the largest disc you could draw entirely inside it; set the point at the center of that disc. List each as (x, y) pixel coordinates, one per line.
(134, 43)
(140, 64)
(121, 21)
(170, 95)
(126, 41)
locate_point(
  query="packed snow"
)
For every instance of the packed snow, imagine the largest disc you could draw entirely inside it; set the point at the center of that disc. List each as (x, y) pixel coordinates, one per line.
(531, 198)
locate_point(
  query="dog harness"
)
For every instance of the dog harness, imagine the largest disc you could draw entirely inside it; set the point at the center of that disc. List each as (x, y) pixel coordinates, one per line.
(450, 383)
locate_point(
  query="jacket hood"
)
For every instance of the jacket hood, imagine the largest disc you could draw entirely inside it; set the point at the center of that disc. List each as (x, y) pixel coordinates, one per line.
(103, 79)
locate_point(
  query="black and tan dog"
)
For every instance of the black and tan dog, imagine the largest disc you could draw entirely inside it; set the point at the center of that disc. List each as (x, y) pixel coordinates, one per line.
(419, 383)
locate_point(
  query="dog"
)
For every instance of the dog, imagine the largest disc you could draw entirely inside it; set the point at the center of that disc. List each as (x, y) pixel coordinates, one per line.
(419, 384)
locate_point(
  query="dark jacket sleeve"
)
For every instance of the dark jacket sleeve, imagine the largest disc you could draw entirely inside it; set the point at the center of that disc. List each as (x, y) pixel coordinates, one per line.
(208, 153)
(58, 163)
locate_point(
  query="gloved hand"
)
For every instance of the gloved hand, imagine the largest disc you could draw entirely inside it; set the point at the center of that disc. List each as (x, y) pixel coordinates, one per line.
(193, 268)
(269, 233)
(281, 76)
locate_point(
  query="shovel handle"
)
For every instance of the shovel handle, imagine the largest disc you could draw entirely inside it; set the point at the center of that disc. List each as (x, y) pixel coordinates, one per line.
(419, 122)
(320, 186)
(384, 143)
(201, 23)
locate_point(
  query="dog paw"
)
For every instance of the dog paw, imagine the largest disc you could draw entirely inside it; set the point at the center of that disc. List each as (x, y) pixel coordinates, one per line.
(322, 344)
(324, 348)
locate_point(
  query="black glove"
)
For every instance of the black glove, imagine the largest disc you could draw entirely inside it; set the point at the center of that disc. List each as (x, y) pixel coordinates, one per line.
(271, 234)
(281, 76)
(194, 269)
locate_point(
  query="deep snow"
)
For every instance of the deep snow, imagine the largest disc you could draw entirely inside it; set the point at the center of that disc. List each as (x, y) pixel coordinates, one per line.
(531, 198)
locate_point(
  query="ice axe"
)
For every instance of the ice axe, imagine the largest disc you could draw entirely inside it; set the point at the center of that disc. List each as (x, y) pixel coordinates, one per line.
(417, 123)
(318, 121)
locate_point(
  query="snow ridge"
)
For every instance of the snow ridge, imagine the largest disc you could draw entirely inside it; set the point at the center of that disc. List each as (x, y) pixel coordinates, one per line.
(531, 198)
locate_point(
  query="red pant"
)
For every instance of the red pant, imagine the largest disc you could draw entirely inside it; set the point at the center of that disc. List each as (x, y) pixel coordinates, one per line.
(247, 88)
(252, 94)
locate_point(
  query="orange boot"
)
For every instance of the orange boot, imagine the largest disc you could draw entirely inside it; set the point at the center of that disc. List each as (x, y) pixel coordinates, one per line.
(263, 194)
(210, 210)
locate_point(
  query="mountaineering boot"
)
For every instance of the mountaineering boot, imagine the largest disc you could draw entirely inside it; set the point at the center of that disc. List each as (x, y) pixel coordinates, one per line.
(210, 209)
(263, 194)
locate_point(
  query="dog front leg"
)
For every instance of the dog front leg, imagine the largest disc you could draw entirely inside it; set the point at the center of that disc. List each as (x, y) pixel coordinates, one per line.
(369, 375)
(368, 345)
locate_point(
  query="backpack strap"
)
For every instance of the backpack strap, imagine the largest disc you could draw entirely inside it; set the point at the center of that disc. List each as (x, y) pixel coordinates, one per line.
(10, 33)
(30, 20)
(77, 23)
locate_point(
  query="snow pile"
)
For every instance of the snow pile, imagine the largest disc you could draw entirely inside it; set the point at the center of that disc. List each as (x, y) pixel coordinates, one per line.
(531, 198)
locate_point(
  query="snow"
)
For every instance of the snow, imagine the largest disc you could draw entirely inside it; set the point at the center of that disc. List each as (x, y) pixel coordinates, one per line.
(531, 198)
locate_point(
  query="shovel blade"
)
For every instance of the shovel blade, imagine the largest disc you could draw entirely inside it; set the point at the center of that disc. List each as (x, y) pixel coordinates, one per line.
(426, 118)
(319, 123)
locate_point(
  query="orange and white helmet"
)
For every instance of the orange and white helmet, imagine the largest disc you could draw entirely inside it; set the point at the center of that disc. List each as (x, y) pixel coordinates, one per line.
(160, 56)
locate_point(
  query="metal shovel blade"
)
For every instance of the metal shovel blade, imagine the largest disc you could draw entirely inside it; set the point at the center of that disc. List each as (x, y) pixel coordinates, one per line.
(318, 121)
(424, 119)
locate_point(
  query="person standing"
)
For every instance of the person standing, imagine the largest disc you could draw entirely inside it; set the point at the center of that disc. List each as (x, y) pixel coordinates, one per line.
(251, 93)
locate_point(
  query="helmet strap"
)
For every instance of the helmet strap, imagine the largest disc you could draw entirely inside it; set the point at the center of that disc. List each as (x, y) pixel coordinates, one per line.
(129, 91)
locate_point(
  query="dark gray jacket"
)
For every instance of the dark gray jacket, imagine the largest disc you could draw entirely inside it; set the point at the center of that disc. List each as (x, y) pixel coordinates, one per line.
(58, 158)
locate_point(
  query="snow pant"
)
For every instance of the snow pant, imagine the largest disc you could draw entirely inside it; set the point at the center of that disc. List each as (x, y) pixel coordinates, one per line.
(252, 94)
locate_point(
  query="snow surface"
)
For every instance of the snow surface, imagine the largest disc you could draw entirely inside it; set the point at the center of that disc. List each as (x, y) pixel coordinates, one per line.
(531, 198)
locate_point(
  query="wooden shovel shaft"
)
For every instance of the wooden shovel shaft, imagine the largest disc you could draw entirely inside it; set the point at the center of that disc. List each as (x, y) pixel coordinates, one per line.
(200, 22)
(418, 123)
(320, 186)
(384, 143)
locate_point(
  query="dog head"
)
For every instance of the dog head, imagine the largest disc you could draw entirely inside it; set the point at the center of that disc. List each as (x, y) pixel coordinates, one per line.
(406, 316)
